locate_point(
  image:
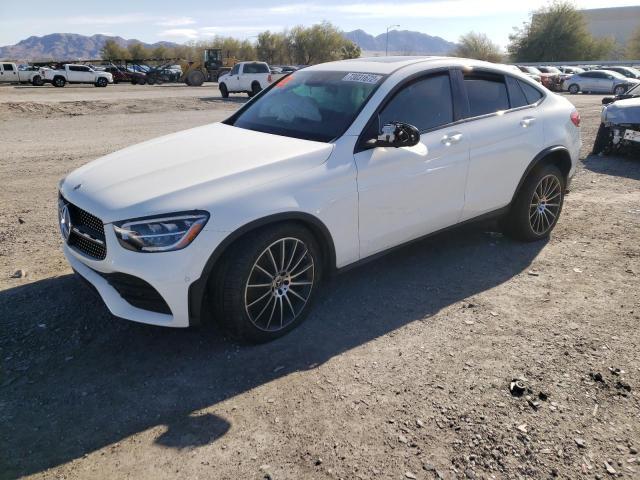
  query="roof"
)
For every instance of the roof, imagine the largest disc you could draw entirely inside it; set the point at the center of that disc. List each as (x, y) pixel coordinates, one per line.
(379, 65)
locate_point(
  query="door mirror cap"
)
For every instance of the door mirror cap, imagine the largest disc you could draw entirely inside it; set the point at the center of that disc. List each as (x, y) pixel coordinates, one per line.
(398, 134)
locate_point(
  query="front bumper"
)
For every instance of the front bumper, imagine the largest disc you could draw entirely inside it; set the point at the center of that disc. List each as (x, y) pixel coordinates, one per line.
(170, 274)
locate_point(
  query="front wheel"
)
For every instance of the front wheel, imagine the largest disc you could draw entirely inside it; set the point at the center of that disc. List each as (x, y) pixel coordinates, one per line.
(224, 92)
(537, 206)
(101, 82)
(267, 285)
(574, 89)
(59, 82)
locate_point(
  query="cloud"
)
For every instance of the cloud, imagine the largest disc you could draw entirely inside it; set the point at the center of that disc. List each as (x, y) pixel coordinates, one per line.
(176, 22)
(107, 19)
(180, 33)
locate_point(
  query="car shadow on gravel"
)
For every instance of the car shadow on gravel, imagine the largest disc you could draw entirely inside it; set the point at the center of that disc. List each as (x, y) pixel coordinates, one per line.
(617, 165)
(75, 379)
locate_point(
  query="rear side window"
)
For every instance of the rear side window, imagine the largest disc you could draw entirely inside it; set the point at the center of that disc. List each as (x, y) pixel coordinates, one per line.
(255, 68)
(533, 94)
(487, 93)
(516, 95)
(426, 104)
(7, 67)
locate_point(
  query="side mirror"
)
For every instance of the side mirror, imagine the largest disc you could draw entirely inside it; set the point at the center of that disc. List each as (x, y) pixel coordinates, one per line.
(397, 134)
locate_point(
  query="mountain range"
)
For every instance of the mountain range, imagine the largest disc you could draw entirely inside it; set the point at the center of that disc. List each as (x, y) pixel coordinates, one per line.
(65, 46)
(402, 42)
(71, 46)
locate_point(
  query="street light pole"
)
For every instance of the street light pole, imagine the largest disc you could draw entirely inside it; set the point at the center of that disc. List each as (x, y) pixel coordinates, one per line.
(387, 49)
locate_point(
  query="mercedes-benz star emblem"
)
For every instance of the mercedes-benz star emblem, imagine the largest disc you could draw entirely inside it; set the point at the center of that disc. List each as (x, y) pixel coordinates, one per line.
(65, 222)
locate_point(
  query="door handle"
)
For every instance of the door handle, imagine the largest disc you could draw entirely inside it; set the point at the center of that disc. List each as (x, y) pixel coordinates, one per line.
(527, 122)
(451, 138)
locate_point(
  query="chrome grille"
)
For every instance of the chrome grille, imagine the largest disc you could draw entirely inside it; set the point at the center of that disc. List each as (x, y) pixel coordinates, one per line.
(87, 233)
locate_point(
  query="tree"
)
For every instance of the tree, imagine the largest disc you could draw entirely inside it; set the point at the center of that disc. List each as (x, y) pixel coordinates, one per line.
(112, 51)
(350, 50)
(160, 52)
(137, 51)
(557, 32)
(478, 46)
(319, 43)
(633, 47)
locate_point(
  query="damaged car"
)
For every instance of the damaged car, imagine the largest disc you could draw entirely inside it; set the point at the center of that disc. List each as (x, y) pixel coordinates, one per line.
(619, 131)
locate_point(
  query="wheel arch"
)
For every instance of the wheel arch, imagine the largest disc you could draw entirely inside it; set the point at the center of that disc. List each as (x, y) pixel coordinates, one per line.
(555, 155)
(317, 228)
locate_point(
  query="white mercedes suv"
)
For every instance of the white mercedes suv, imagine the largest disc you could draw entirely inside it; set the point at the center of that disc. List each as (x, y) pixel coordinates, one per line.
(239, 221)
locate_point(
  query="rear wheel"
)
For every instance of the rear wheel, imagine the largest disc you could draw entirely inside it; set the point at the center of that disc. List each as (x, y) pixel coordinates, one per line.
(619, 90)
(37, 81)
(538, 204)
(195, 78)
(223, 91)
(267, 284)
(255, 89)
(574, 89)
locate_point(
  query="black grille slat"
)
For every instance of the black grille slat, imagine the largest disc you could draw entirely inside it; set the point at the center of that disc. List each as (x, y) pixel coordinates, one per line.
(87, 233)
(137, 292)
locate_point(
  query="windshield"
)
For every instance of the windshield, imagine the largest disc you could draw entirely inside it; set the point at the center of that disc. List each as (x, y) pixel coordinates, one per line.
(552, 70)
(634, 91)
(313, 105)
(533, 70)
(614, 74)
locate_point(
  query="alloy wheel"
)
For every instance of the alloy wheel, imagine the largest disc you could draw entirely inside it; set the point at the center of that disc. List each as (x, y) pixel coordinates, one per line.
(545, 204)
(279, 284)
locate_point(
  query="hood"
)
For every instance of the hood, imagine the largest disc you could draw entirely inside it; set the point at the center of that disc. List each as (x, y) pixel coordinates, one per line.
(187, 170)
(623, 111)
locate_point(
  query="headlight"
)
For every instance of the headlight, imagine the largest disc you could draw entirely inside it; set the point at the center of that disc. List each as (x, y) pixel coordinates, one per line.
(160, 233)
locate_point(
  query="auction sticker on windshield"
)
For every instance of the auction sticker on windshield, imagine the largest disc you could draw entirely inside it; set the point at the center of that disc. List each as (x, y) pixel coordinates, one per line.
(362, 78)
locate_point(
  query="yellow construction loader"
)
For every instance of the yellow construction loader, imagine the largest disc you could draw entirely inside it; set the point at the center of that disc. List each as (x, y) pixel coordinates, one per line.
(213, 65)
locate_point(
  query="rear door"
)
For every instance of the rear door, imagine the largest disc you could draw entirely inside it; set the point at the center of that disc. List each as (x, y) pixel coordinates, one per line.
(506, 133)
(9, 73)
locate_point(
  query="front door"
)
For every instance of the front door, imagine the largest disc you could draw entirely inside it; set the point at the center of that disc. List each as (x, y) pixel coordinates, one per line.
(408, 192)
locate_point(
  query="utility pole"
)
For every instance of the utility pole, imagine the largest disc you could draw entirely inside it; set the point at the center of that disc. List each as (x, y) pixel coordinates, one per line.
(387, 49)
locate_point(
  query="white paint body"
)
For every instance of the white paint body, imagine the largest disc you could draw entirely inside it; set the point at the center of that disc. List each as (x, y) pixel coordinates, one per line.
(369, 201)
(9, 73)
(239, 80)
(76, 74)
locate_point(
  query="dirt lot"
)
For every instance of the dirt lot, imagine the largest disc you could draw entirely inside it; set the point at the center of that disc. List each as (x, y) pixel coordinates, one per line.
(402, 371)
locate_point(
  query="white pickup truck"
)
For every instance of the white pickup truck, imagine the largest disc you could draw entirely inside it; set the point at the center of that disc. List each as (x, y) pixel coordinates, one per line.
(10, 73)
(70, 73)
(246, 77)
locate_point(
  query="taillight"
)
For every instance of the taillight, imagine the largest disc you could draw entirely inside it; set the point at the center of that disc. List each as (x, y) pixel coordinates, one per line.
(575, 118)
(269, 78)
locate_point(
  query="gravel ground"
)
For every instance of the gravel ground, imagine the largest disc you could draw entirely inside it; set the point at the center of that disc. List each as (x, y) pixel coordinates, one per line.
(402, 371)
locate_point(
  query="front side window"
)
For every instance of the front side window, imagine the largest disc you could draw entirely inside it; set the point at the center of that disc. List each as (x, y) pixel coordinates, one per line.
(426, 104)
(313, 105)
(235, 69)
(487, 93)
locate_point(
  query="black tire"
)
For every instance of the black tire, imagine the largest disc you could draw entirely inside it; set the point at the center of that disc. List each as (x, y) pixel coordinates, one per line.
(59, 82)
(223, 91)
(151, 80)
(195, 78)
(602, 140)
(619, 90)
(255, 89)
(526, 223)
(102, 82)
(234, 299)
(37, 81)
(574, 88)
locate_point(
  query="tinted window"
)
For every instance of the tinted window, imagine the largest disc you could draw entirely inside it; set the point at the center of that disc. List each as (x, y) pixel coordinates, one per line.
(74, 68)
(587, 75)
(255, 68)
(314, 105)
(516, 95)
(487, 94)
(7, 67)
(425, 104)
(533, 94)
(235, 69)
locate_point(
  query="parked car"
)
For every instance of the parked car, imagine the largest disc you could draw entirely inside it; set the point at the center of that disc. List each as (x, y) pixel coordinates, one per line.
(599, 81)
(620, 124)
(628, 72)
(327, 167)
(571, 70)
(70, 73)
(123, 75)
(10, 73)
(246, 77)
(531, 72)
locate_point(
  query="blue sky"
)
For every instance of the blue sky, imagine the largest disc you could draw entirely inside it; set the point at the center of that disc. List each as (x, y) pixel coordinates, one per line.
(184, 20)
